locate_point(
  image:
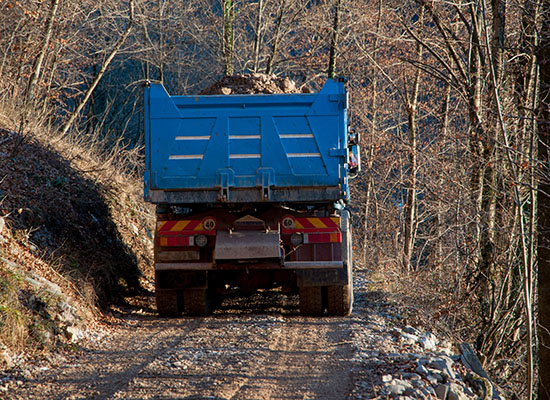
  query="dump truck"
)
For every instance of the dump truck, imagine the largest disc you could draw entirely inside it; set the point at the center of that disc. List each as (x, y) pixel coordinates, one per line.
(250, 193)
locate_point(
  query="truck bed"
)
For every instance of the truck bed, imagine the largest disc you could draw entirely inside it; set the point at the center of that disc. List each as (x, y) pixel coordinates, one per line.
(246, 148)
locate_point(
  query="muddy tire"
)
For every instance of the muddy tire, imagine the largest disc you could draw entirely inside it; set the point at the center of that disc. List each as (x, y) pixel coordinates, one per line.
(339, 300)
(311, 300)
(169, 302)
(197, 302)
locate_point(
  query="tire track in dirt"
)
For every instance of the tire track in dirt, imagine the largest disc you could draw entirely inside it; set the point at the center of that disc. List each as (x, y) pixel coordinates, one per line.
(101, 372)
(309, 360)
(247, 352)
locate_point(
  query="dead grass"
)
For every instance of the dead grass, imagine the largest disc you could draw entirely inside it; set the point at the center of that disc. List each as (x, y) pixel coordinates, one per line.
(13, 332)
(75, 217)
(435, 299)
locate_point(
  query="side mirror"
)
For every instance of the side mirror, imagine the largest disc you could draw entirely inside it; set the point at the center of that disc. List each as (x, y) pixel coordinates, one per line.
(353, 137)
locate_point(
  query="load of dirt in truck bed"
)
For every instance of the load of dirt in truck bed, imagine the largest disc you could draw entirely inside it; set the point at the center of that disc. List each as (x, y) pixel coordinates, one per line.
(253, 84)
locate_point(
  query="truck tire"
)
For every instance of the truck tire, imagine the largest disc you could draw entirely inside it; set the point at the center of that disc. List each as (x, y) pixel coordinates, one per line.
(339, 300)
(169, 302)
(311, 300)
(197, 301)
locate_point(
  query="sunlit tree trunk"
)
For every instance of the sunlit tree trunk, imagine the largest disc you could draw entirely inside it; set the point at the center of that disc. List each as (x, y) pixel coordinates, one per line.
(276, 39)
(410, 205)
(258, 35)
(373, 131)
(228, 17)
(543, 202)
(28, 101)
(334, 40)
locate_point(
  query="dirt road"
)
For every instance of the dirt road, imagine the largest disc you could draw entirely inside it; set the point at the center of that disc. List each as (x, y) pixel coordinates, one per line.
(256, 348)
(253, 349)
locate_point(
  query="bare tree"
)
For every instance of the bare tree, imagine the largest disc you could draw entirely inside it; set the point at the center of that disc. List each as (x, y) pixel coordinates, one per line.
(228, 37)
(334, 39)
(28, 101)
(74, 115)
(543, 201)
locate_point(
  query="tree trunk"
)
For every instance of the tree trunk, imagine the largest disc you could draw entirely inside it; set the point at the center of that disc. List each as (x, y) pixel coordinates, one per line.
(228, 17)
(439, 217)
(334, 40)
(410, 206)
(161, 40)
(489, 275)
(369, 152)
(258, 35)
(543, 202)
(35, 75)
(276, 39)
(43, 50)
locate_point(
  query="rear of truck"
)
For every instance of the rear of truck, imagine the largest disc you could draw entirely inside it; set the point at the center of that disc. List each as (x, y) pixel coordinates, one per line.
(250, 193)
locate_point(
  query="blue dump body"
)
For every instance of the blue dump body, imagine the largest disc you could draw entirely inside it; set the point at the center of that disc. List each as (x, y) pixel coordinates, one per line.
(246, 148)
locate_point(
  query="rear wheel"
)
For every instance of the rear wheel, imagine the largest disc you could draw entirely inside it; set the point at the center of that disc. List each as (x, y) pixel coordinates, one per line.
(197, 301)
(311, 300)
(339, 300)
(169, 302)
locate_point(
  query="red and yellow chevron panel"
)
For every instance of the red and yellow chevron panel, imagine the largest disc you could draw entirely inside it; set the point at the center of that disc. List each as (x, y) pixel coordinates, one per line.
(206, 227)
(317, 224)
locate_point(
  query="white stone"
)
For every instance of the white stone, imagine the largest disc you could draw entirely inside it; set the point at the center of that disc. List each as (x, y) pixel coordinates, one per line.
(74, 334)
(428, 341)
(288, 84)
(396, 389)
(6, 358)
(443, 364)
(409, 338)
(421, 369)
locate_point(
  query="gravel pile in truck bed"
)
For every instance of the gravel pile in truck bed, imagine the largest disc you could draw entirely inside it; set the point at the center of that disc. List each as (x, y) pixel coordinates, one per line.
(253, 84)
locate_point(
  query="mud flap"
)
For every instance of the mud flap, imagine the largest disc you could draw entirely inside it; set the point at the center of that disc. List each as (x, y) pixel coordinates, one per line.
(180, 279)
(323, 277)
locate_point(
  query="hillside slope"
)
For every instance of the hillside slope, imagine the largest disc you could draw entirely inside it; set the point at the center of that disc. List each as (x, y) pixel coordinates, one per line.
(75, 238)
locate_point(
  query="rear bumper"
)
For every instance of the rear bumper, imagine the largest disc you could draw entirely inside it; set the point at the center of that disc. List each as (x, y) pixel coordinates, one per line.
(289, 265)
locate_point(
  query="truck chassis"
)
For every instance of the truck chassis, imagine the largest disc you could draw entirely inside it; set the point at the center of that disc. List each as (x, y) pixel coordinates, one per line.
(200, 252)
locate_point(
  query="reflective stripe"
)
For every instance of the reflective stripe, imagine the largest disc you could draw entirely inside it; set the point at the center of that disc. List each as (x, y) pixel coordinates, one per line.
(192, 137)
(317, 224)
(333, 237)
(176, 241)
(180, 225)
(190, 157)
(304, 154)
(297, 136)
(237, 137)
(245, 156)
(190, 227)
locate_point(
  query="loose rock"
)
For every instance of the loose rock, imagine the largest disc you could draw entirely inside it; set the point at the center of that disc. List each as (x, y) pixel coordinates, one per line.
(252, 84)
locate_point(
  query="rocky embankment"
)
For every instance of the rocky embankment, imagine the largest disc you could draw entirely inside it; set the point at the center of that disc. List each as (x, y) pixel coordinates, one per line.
(410, 363)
